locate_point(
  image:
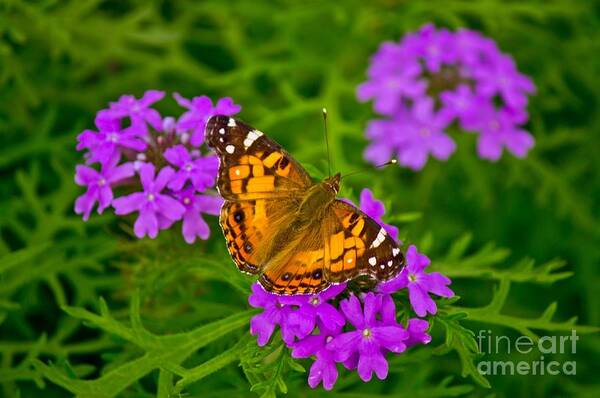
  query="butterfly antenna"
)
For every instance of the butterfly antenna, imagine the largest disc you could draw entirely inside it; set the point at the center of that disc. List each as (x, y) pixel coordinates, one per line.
(327, 140)
(379, 166)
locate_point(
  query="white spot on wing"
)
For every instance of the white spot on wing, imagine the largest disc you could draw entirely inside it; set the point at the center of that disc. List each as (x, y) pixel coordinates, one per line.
(390, 263)
(251, 137)
(373, 261)
(379, 239)
(395, 251)
(221, 130)
(230, 149)
(231, 122)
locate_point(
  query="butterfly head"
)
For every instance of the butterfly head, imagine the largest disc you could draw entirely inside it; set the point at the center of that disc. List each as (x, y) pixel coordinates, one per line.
(333, 183)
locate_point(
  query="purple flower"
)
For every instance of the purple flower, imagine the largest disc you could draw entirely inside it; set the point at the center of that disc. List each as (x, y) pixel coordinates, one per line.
(105, 144)
(381, 133)
(462, 104)
(99, 185)
(313, 307)
(324, 367)
(193, 224)
(201, 171)
(419, 283)
(434, 47)
(151, 204)
(424, 134)
(148, 142)
(139, 111)
(370, 339)
(498, 130)
(413, 136)
(375, 209)
(503, 78)
(200, 109)
(417, 332)
(429, 80)
(389, 83)
(275, 313)
(473, 49)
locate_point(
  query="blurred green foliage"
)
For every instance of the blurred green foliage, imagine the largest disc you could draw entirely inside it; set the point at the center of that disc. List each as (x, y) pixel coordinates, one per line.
(173, 317)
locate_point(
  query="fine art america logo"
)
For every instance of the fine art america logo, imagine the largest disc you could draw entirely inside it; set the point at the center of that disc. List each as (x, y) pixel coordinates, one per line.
(546, 345)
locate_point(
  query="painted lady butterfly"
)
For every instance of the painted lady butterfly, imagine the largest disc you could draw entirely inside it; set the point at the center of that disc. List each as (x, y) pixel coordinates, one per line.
(281, 224)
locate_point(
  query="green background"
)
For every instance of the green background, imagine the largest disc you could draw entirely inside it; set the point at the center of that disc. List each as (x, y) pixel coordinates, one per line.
(483, 224)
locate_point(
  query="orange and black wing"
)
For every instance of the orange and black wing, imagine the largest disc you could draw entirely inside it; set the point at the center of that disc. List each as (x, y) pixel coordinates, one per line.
(346, 244)
(261, 183)
(249, 226)
(357, 245)
(252, 166)
(300, 267)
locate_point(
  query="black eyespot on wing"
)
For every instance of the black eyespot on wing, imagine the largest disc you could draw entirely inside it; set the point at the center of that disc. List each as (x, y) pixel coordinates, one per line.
(238, 216)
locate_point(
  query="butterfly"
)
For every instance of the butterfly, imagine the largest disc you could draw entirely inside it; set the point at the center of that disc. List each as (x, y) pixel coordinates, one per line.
(281, 224)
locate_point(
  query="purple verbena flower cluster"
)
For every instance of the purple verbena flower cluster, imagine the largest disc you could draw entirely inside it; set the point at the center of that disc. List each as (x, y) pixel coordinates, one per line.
(356, 330)
(433, 78)
(159, 160)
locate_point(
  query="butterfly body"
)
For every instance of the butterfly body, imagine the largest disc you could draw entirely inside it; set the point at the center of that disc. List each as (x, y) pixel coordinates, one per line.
(318, 198)
(281, 224)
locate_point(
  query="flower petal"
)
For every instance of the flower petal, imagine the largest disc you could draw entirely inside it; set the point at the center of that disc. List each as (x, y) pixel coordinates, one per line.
(332, 291)
(177, 155)
(169, 207)
(308, 346)
(303, 320)
(394, 284)
(417, 331)
(372, 360)
(146, 223)
(260, 298)
(390, 337)
(325, 370)
(85, 203)
(194, 225)
(147, 175)
(330, 316)
(388, 310)
(344, 345)
(372, 305)
(105, 198)
(85, 175)
(129, 203)
(226, 106)
(164, 176)
(121, 172)
(209, 204)
(262, 327)
(436, 283)
(353, 311)
(420, 300)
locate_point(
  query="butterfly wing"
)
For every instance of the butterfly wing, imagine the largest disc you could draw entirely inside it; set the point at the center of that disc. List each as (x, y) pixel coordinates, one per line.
(252, 166)
(346, 244)
(357, 245)
(249, 225)
(299, 267)
(262, 185)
